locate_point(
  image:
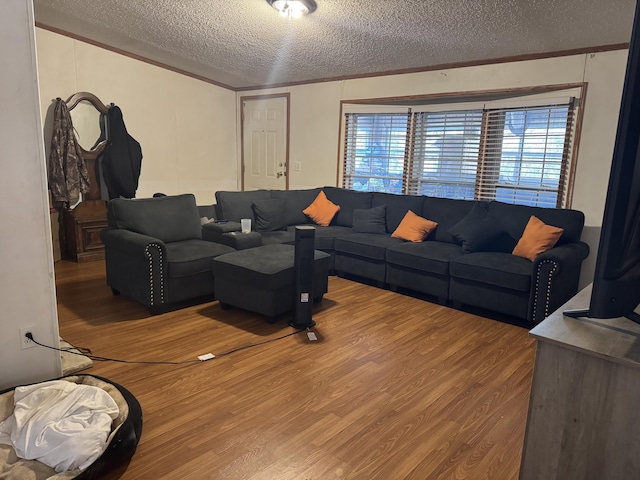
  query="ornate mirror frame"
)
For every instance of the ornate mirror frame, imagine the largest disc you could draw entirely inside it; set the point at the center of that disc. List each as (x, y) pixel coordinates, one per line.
(83, 223)
(91, 156)
(101, 142)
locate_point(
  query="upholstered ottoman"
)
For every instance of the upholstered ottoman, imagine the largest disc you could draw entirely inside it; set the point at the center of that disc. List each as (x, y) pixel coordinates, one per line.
(262, 279)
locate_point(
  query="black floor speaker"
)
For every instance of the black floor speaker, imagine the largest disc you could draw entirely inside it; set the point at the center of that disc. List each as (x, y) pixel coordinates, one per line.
(303, 271)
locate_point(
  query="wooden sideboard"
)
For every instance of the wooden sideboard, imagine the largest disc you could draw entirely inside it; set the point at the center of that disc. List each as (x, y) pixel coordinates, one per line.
(82, 227)
(584, 410)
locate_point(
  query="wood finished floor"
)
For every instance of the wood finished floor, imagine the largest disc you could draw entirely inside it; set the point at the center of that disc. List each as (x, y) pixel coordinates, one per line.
(395, 388)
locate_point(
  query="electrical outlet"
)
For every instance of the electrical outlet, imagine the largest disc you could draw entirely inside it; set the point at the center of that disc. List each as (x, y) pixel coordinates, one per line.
(24, 341)
(297, 166)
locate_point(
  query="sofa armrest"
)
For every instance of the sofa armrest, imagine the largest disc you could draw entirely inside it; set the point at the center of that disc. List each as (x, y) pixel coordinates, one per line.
(136, 265)
(568, 252)
(555, 277)
(214, 230)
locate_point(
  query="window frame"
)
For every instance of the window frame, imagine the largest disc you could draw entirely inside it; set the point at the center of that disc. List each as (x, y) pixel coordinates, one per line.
(509, 98)
(393, 162)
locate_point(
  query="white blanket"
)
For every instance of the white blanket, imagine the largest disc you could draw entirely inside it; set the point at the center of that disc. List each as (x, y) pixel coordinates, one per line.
(61, 424)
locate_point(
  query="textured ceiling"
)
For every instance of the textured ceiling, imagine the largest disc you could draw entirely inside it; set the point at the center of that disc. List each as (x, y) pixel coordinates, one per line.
(245, 43)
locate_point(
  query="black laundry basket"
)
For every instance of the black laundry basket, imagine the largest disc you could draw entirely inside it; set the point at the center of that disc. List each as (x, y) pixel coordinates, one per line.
(123, 443)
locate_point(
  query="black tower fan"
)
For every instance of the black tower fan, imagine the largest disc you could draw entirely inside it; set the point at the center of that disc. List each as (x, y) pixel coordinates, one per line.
(303, 272)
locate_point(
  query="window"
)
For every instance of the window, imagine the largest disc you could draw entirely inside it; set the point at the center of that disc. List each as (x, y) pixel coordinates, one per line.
(375, 151)
(445, 153)
(526, 161)
(517, 154)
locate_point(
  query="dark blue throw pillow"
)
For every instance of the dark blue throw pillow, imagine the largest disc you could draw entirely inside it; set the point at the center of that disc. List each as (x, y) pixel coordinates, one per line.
(480, 231)
(370, 220)
(269, 214)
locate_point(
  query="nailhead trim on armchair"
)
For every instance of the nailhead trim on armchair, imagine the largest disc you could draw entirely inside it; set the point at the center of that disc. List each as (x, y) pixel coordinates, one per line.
(152, 285)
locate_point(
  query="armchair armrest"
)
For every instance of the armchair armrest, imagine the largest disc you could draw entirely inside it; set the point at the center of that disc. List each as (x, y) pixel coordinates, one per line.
(136, 265)
(128, 242)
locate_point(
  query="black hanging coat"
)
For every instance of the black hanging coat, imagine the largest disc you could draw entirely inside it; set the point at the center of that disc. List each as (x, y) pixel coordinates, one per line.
(122, 158)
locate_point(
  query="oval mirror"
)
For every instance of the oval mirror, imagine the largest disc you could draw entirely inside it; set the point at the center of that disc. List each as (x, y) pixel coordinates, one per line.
(86, 123)
(89, 118)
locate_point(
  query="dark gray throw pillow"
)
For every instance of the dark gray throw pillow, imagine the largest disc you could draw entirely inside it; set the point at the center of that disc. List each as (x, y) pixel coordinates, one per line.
(370, 220)
(479, 231)
(269, 214)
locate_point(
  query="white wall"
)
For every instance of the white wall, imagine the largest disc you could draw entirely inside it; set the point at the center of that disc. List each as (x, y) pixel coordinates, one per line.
(315, 118)
(27, 289)
(186, 127)
(190, 130)
(605, 75)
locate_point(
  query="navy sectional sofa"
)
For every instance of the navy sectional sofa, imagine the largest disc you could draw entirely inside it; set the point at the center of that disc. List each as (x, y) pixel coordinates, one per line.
(452, 264)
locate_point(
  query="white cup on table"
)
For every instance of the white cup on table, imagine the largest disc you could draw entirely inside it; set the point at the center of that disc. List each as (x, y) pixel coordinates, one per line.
(245, 224)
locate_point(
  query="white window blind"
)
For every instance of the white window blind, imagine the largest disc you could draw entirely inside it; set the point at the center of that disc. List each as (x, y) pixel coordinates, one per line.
(375, 151)
(526, 155)
(444, 159)
(514, 150)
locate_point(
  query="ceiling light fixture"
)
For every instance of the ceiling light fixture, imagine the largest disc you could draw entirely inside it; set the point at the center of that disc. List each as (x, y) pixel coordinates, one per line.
(293, 8)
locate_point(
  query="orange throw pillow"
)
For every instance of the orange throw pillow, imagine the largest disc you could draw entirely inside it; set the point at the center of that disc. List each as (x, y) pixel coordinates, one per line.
(322, 210)
(537, 238)
(414, 228)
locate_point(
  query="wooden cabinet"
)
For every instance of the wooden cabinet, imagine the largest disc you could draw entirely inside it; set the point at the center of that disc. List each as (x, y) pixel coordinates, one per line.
(584, 410)
(83, 223)
(82, 227)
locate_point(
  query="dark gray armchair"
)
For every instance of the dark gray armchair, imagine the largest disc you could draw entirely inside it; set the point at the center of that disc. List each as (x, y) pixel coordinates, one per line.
(155, 254)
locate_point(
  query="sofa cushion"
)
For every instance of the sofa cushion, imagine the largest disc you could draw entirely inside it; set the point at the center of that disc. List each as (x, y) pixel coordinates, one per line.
(348, 200)
(269, 267)
(368, 245)
(297, 200)
(279, 236)
(169, 218)
(431, 257)
(478, 231)
(325, 236)
(414, 228)
(397, 207)
(269, 214)
(494, 268)
(515, 218)
(446, 212)
(322, 210)
(370, 220)
(237, 205)
(537, 238)
(190, 257)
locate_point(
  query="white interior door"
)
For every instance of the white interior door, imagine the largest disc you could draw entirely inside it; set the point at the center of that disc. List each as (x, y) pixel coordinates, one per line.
(264, 143)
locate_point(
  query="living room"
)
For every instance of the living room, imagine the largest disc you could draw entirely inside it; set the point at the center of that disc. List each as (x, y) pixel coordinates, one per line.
(189, 131)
